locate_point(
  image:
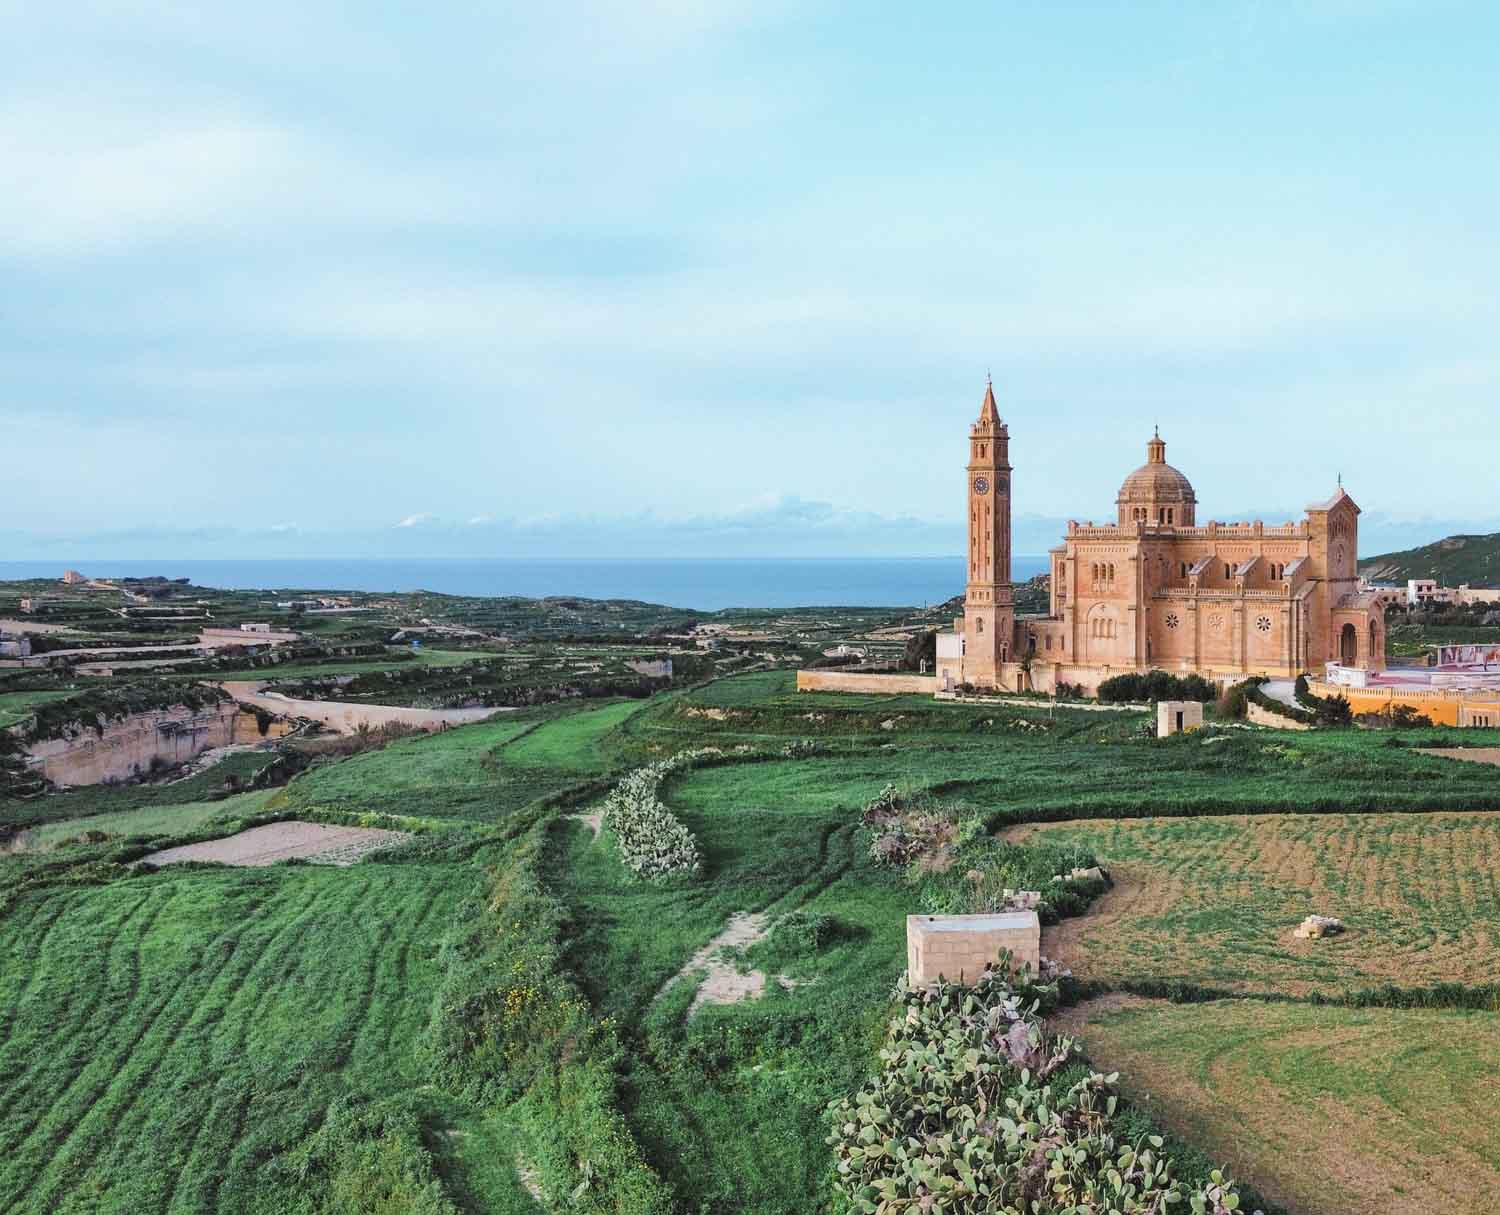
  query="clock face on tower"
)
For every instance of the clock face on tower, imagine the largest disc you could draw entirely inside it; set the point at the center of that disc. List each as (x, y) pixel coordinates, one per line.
(981, 485)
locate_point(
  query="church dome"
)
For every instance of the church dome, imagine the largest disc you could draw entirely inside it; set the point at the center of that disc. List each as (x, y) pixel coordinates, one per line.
(1156, 492)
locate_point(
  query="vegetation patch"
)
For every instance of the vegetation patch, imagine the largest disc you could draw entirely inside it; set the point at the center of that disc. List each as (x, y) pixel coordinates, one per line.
(972, 1112)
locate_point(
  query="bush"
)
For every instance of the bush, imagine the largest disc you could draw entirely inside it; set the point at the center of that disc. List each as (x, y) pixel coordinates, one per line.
(801, 933)
(961, 1119)
(652, 839)
(1156, 685)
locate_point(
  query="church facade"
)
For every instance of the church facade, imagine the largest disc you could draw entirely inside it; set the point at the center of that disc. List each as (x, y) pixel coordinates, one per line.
(1155, 588)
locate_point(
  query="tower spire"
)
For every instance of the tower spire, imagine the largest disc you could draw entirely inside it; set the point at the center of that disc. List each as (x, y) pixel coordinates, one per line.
(988, 413)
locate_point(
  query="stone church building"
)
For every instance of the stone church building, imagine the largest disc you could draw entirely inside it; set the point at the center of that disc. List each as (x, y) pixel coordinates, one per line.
(1155, 588)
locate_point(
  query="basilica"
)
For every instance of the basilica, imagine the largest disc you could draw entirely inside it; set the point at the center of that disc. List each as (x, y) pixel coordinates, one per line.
(1155, 588)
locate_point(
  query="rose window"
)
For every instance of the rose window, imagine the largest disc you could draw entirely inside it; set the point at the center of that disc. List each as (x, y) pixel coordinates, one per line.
(1263, 624)
(1216, 624)
(1172, 620)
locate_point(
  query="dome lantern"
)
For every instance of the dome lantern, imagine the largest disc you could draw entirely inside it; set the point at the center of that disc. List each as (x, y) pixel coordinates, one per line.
(1157, 494)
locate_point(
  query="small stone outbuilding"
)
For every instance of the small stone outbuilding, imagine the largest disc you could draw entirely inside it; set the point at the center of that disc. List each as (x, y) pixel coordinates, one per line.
(1178, 717)
(959, 947)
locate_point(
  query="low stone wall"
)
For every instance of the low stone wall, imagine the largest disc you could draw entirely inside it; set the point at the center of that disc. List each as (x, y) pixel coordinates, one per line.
(1445, 706)
(126, 749)
(849, 681)
(1258, 716)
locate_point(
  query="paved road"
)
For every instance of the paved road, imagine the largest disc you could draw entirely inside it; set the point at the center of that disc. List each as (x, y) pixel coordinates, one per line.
(1284, 690)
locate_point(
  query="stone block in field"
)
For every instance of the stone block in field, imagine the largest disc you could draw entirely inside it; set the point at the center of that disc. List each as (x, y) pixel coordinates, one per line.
(959, 947)
(1178, 716)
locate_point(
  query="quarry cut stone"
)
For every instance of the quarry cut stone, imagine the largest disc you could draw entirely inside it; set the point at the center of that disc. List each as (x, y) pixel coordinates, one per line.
(1316, 926)
(959, 947)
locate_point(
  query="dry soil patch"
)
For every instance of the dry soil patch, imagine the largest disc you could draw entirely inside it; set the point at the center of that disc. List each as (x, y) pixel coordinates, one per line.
(274, 842)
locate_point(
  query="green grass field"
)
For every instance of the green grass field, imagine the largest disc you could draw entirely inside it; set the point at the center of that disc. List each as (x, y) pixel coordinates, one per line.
(168, 1035)
(175, 819)
(416, 1032)
(16, 707)
(1330, 1110)
(1214, 900)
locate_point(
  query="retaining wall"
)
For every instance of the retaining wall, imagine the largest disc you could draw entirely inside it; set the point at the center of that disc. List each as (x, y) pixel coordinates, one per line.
(848, 681)
(1259, 716)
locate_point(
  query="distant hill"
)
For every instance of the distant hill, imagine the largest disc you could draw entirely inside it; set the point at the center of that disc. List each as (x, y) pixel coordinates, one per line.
(1452, 561)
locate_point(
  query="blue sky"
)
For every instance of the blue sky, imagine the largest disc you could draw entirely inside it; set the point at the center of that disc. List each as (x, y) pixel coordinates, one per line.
(657, 277)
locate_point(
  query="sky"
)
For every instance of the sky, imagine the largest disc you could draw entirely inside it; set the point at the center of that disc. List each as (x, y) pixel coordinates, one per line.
(662, 277)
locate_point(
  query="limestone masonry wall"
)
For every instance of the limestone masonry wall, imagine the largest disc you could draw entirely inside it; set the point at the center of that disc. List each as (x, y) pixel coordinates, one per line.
(848, 681)
(959, 947)
(1264, 717)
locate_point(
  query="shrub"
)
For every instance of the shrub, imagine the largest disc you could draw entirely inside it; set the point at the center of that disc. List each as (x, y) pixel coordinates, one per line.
(1156, 685)
(961, 1119)
(652, 839)
(802, 932)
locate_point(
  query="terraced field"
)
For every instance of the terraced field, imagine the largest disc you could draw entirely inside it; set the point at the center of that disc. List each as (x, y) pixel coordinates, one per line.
(1331, 1110)
(1214, 900)
(162, 1037)
(497, 1004)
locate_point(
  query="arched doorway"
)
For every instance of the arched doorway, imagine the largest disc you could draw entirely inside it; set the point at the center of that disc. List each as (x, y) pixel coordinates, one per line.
(1349, 645)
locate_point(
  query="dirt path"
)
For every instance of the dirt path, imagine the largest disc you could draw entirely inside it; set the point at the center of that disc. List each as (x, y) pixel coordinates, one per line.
(723, 982)
(593, 821)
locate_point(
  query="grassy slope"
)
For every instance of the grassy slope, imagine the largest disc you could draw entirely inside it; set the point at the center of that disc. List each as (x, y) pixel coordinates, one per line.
(727, 1105)
(172, 819)
(104, 799)
(478, 774)
(16, 707)
(1335, 1111)
(1452, 561)
(164, 1034)
(166, 1038)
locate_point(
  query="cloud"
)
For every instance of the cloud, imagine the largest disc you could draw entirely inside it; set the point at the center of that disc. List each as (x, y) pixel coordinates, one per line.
(414, 520)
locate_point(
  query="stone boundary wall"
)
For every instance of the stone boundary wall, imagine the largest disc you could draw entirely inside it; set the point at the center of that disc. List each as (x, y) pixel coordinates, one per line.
(848, 681)
(1256, 715)
(1087, 706)
(1446, 706)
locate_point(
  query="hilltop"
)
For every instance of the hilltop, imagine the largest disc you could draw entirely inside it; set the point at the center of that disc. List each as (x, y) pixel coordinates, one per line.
(1453, 561)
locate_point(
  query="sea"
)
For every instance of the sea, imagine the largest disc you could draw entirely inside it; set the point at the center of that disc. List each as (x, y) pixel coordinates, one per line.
(704, 584)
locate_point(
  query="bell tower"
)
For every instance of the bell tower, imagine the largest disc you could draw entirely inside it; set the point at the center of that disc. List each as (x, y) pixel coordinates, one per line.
(989, 612)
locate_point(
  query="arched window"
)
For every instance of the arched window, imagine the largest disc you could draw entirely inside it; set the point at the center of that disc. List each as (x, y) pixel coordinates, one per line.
(1171, 515)
(1228, 572)
(979, 624)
